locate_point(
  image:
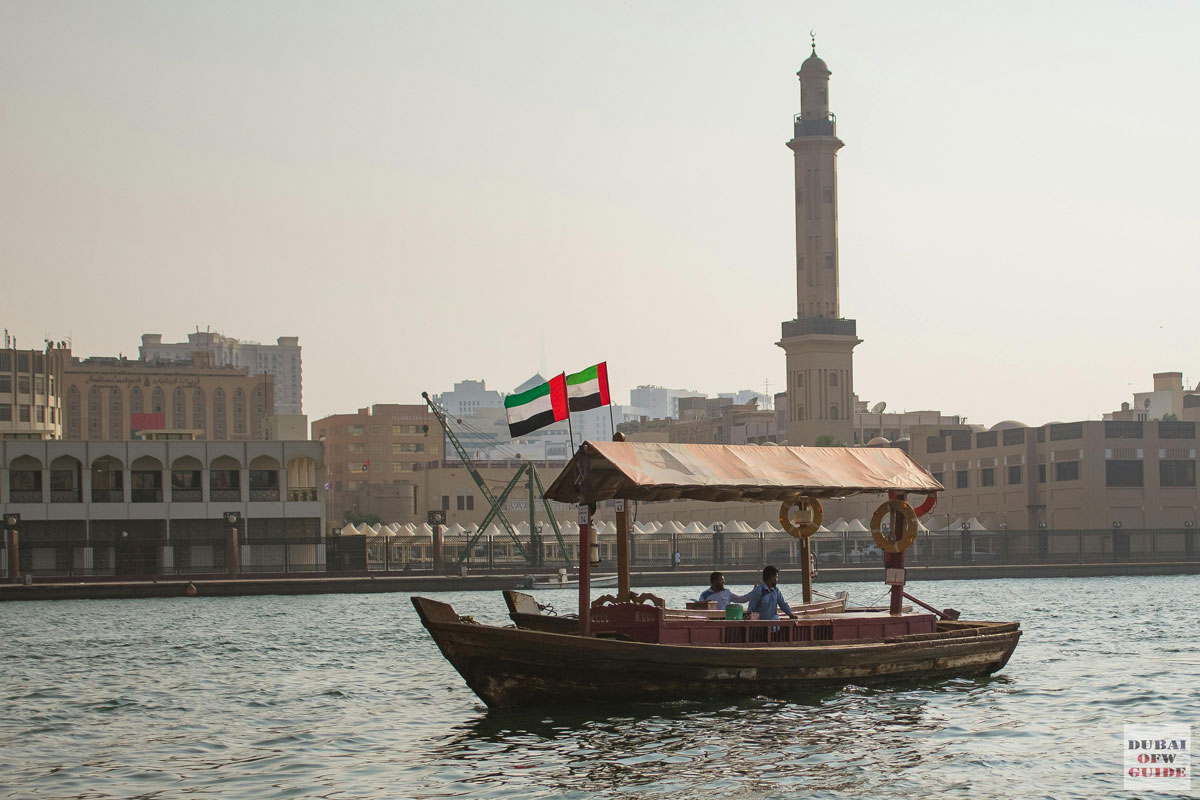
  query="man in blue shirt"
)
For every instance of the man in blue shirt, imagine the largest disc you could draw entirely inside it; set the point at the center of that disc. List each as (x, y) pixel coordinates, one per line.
(766, 599)
(718, 592)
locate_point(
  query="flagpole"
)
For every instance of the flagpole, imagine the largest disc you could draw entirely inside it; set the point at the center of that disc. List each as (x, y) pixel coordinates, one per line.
(570, 432)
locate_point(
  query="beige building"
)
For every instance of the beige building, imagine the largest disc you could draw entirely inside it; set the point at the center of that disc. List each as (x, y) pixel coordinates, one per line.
(108, 399)
(30, 390)
(1077, 475)
(374, 458)
(819, 343)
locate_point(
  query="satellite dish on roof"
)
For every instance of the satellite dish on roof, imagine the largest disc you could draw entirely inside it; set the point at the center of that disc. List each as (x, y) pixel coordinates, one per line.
(878, 407)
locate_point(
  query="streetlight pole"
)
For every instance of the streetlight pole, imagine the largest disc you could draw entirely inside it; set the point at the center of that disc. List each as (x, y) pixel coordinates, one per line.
(232, 518)
(11, 523)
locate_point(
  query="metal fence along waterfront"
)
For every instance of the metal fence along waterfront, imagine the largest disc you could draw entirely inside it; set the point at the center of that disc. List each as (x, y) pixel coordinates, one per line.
(70, 557)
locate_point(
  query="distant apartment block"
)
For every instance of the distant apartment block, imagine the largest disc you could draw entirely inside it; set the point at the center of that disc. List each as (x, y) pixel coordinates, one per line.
(31, 383)
(373, 459)
(282, 360)
(1170, 399)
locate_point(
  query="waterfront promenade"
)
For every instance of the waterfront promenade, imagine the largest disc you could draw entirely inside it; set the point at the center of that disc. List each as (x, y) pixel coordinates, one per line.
(368, 584)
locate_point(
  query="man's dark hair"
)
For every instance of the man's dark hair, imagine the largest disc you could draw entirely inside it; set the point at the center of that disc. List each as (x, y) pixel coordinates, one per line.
(770, 572)
(713, 578)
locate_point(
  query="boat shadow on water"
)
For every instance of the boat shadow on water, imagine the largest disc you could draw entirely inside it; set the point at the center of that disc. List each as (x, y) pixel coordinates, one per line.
(818, 739)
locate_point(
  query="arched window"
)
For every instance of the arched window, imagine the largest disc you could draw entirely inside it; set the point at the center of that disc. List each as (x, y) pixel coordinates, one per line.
(833, 379)
(159, 401)
(239, 413)
(74, 414)
(833, 411)
(219, 413)
(135, 400)
(179, 401)
(116, 415)
(198, 410)
(95, 429)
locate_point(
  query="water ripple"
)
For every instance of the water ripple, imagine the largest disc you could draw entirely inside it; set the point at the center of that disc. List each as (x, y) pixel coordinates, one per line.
(346, 697)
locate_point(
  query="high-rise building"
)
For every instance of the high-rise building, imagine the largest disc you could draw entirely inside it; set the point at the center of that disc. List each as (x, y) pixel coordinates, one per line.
(468, 397)
(281, 359)
(660, 403)
(819, 342)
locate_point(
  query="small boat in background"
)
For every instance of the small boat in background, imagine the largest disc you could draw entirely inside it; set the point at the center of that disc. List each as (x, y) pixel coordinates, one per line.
(561, 581)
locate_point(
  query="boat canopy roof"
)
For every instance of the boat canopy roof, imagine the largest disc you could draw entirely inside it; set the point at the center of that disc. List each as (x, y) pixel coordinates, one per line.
(720, 473)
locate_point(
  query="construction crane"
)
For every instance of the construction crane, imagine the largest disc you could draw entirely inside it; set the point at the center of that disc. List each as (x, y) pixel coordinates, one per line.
(496, 511)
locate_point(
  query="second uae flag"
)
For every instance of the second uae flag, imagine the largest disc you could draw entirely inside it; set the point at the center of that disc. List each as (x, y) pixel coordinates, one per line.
(536, 408)
(589, 388)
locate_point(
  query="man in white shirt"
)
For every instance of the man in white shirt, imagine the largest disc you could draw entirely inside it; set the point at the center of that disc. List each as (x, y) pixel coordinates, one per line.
(718, 592)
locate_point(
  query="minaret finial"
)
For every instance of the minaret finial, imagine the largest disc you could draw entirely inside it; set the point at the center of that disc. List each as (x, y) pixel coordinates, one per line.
(813, 36)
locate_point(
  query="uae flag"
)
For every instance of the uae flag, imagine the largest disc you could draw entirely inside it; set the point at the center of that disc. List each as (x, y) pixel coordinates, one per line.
(589, 388)
(536, 408)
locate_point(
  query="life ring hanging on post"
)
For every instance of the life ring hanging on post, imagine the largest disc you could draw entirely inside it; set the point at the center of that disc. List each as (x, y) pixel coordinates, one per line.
(910, 526)
(804, 529)
(926, 506)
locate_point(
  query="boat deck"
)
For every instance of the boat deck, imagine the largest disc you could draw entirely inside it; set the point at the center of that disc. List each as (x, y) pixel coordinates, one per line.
(644, 623)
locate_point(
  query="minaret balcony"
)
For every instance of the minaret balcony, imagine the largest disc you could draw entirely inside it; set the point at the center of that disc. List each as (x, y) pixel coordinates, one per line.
(815, 127)
(820, 325)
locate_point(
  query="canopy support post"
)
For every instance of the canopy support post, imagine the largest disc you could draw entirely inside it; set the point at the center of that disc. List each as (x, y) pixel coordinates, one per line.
(586, 509)
(623, 591)
(895, 561)
(585, 580)
(806, 569)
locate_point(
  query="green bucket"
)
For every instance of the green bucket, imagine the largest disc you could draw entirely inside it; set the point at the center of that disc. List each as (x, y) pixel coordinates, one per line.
(733, 611)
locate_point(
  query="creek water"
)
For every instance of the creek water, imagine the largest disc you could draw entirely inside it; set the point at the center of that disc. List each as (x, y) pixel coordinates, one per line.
(345, 696)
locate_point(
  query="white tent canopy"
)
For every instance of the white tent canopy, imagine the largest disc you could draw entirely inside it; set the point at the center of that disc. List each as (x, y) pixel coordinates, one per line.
(694, 527)
(856, 526)
(838, 525)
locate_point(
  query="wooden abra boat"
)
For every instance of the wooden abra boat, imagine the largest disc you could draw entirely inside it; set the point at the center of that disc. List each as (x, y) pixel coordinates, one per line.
(623, 649)
(510, 667)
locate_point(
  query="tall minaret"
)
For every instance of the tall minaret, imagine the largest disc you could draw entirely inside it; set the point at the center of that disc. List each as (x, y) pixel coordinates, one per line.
(819, 342)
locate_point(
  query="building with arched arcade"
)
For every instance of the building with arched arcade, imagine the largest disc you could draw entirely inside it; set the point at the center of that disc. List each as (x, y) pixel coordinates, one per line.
(147, 508)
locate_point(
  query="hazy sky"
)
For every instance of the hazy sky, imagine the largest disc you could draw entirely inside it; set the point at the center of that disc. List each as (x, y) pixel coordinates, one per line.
(423, 192)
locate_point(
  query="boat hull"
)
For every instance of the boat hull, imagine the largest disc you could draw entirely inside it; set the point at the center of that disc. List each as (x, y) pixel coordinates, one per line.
(511, 667)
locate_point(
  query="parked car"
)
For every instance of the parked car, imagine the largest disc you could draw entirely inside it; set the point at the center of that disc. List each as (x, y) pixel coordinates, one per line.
(830, 557)
(978, 556)
(871, 553)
